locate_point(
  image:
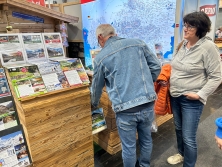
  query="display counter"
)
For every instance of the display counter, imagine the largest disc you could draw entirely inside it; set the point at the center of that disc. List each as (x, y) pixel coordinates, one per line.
(58, 127)
(109, 139)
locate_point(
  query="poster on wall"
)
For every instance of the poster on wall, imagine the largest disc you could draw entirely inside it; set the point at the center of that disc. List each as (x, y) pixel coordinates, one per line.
(38, 2)
(11, 49)
(210, 7)
(86, 1)
(13, 148)
(139, 19)
(34, 46)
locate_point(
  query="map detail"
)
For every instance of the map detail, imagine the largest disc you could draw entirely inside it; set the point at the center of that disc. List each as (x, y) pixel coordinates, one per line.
(151, 21)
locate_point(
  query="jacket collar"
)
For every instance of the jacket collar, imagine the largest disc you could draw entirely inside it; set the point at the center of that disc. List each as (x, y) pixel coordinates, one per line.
(199, 42)
(111, 39)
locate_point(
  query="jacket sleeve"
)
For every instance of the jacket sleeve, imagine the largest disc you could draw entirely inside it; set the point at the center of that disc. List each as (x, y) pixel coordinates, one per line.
(212, 64)
(153, 63)
(98, 83)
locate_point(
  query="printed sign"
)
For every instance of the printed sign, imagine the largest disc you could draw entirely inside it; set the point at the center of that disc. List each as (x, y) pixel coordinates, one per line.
(86, 1)
(28, 17)
(210, 10)
(38, 2)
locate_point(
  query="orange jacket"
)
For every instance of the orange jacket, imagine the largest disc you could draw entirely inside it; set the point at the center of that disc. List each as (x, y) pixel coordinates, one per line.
(162, 86)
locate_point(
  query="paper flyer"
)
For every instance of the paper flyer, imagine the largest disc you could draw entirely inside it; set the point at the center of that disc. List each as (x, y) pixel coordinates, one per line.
(13, 148)
(98, 121)
(8, 117)
(27, 81)
(75, 64)
(4, 88)
(53, 76)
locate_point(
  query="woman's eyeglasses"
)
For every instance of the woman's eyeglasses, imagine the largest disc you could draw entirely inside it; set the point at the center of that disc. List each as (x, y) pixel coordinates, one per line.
(188, 27)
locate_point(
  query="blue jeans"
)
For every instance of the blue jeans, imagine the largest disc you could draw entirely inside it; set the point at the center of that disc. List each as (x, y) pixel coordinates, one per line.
(128, 123)
(186, 115)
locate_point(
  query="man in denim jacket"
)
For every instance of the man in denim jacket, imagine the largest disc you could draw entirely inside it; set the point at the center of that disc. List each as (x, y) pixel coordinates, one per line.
(128, 68)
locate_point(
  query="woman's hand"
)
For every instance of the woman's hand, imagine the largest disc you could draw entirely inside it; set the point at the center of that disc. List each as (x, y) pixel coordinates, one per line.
(192, 96)
(219, 142)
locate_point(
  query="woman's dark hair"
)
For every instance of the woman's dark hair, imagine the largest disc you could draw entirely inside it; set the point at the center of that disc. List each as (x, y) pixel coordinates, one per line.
(200, 20)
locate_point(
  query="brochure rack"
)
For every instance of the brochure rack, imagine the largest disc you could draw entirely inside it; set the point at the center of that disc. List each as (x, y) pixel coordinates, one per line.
(58, 127)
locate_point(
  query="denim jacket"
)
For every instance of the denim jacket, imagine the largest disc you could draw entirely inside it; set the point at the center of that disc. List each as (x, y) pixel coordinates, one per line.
(128, 68)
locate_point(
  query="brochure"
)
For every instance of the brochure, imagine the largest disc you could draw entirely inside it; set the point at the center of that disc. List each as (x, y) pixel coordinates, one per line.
(53, 76)
(13, 148)
(4, 88)
(98, 121)
(54, 46)
(27, 81)
(11, 50)
(8, 115)
(75, 65)
(34, 46)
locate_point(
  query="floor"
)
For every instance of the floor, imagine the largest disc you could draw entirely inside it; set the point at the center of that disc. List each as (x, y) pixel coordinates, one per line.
(162, 140)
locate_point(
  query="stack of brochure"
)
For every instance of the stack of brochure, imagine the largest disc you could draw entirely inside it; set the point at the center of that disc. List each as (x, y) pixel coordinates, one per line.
(98, 121)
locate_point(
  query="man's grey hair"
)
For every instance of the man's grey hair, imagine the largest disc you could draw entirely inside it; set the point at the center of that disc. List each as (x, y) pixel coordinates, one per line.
(105, 30)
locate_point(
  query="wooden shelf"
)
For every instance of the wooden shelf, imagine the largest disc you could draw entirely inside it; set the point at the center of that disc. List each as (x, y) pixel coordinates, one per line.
(23, 4)
(219, 45)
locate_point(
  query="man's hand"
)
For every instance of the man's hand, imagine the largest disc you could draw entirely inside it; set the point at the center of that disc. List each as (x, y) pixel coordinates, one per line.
(192, 96)
(93, 107)
(219, 142)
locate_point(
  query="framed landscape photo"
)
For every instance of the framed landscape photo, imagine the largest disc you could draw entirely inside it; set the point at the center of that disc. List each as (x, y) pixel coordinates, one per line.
(11, 49)
(53, 45)
(33, 46)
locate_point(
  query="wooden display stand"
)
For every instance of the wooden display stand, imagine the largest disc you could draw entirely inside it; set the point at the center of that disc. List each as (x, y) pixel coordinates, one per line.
(109, 139)
(58, 127)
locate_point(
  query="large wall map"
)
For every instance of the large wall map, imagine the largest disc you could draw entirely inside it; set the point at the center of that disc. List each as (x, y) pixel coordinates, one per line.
(150, 20)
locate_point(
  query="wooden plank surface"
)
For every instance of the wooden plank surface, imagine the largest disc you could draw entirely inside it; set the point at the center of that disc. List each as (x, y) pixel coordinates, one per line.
(42, 10)
(58, 127)
(105, 146)
(109, 137)
(110, 122)
(68, 157)
(219, 45)
(160, 119)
